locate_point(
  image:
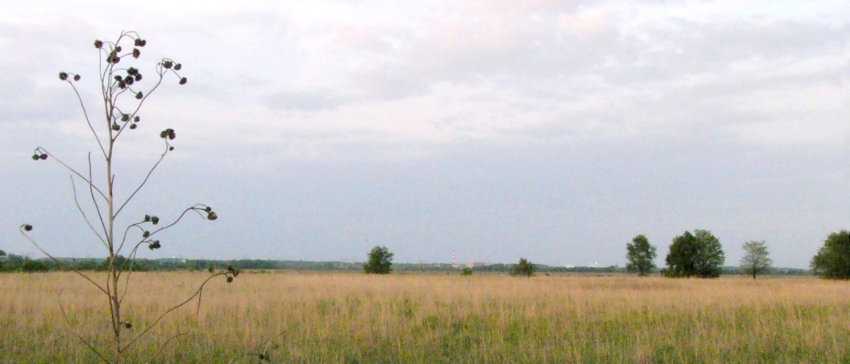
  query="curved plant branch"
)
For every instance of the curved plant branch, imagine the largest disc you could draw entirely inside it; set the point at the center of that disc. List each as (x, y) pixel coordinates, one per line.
(77, 334)
(27, 227)
(229, 272)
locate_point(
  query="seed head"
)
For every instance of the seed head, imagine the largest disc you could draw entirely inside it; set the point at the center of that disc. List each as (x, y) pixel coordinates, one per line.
(98, 44)
(63, 76)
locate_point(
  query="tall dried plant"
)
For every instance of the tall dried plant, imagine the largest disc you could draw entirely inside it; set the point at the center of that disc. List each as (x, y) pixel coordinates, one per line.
(123, 95)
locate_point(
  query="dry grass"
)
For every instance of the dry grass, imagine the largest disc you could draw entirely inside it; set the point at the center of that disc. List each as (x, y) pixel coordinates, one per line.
(349, 318)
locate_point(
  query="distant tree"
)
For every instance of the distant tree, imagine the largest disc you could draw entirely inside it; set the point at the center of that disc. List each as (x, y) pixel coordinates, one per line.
(523, 268)
(641, 256)
(33, 266)
(833, 259)
(2, 253)
(466, 271)
(756, 258)
(695, 255)
(380, 261)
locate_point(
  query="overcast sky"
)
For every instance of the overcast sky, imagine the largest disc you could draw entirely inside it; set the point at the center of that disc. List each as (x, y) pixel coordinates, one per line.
(550, 130)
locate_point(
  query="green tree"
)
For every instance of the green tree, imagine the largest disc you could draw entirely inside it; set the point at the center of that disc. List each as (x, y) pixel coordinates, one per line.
(380, 261)
(523, 268)
(641, 256)
(695, 255)
(756, 258)
(833, 259)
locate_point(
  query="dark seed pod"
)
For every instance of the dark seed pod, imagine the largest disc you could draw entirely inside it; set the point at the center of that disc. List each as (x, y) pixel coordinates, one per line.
(147, 218)
(235, 272)
(139, 95)
(137, 118)
(118, 49)
(117, 78)
(63, 76)
(138, 77)
(146, 234)
(210, 269)
(170, 148)
(167, 64)
(76, 77)
(136, 53)
(212, 216)
(132, 126)
(98, 44)
(208, 209)
(229, 279)
(154, 245)
(116, 127)
(129, 80)
(128, 325)
(35, 157)
(178, 66)
(132, 71)
(183, 81)
(122, 85)
(43, 156)
(27, 227)
(125, 117)
(154, 220)
(229, 268)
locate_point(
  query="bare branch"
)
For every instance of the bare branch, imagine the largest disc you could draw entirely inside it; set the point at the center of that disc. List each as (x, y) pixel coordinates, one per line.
(161, 348)
(97, 206)
(75, 270)
(71, 327)
(88, 121)
(145, 181)
(74, 171)
(197, 208)
(175, 307)
(85, 217)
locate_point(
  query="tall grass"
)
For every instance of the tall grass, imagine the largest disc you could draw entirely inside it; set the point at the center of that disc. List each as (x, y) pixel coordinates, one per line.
(354, 318)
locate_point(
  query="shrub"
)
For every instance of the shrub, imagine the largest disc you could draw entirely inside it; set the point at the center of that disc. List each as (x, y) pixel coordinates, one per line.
(524, 268)
(380, 261)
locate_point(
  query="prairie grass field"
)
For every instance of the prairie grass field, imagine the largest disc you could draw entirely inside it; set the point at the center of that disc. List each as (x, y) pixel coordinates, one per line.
(421, 318)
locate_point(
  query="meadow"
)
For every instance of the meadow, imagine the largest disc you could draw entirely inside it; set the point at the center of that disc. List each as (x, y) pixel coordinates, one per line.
(419, 318)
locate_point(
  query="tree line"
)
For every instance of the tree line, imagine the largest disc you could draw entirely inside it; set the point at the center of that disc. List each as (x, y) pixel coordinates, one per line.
(700, 255)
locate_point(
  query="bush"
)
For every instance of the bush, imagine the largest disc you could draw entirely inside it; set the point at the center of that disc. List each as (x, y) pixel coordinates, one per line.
(33, 266)
(466, 272)
(523, 268)
(833, 259)
(380, 261)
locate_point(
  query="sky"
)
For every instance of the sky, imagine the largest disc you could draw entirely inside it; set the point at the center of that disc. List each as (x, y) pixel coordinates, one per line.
(556, 131)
